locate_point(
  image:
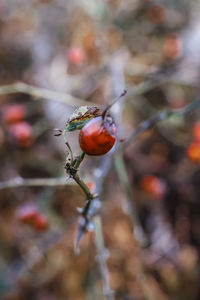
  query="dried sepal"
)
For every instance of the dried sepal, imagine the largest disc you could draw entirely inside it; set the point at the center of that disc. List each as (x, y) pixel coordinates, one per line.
(58, 132)
(81, 116)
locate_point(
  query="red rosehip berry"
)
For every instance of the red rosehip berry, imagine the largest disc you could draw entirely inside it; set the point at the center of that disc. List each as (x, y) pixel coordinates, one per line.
(22, 133)
(40, 223)
(156, 13)
(27, 213)
(196, 132)
(193, 152)
(76, 55)
(13, 114)
(98, 136)
(172, 46)
(153, 186)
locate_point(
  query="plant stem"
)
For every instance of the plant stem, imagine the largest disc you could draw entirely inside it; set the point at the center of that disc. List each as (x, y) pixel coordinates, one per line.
(132, 209)
(138, 231)
(147, 124)
(21, 182)
(36, 92)
(83, 186)
(108, 293)
(78, 160)
(73, 171)
(68, 146)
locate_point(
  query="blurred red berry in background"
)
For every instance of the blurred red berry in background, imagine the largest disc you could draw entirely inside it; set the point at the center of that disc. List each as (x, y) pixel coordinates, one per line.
(76, 55)
(153, 186)
(22, 132)
(193, 152)
(27, 213)
(13, 114)
(156, 13)
(40, 223)
(172, 46)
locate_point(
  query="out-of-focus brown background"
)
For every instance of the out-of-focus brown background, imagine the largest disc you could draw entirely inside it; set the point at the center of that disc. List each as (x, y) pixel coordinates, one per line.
(92, 50)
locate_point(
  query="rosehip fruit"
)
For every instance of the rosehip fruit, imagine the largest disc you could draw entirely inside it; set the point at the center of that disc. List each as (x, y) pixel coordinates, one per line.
(27, 213)
(172, 46)
(76, 55)
(153, 186)
(40, 223)
(196, 132)
(22, 133)
(13, 114)
(98, 136)
(156, 14)
(193, 152)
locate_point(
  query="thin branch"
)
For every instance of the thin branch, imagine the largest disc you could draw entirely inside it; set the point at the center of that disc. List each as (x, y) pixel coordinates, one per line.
(101, 257)
(138, 231)
(72, 170)
(79, 160)
(83, 186)
(41, 93)
(69, 150)
(89, 214)
(21, 182)
(131, 205)
(147, 124)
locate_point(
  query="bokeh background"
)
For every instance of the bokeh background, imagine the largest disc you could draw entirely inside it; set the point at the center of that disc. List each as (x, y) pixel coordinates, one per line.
(91, 50)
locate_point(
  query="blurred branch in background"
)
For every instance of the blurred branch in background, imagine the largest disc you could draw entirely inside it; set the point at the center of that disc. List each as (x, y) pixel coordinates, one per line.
(41, 93)
(20, 182)
(132, 211)
(152, 121)
(101, 257)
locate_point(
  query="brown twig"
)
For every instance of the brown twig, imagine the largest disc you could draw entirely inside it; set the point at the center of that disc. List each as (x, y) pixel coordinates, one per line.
(147, 124)
(41, 93)
(89, 214)
(138, 231)
(21, 182)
